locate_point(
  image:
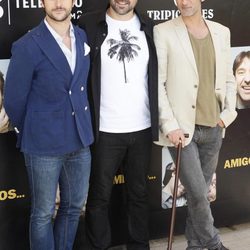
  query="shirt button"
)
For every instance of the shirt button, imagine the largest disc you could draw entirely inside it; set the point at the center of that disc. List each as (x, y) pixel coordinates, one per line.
(82, 88)
(96, 48)
(73, 113)
(196, 86)
(103, 34)
(86, 108)
(70, 92)
(193, 106)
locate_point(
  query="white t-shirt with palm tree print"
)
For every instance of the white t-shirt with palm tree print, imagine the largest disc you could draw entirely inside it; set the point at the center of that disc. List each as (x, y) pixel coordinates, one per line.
(124, 89)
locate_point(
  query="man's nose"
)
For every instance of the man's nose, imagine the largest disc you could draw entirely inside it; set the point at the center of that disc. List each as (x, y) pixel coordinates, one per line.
(247, 79)
(58, 2)
(184, 2)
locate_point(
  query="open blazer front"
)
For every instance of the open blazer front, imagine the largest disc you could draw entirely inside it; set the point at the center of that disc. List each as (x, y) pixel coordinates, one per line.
(179, 79)
(96, 28)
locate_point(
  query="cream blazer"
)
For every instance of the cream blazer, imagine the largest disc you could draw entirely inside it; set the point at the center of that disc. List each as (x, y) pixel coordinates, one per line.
(179, 80)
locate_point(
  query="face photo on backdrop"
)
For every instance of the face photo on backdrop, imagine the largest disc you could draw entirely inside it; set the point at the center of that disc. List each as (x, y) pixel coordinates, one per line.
(168, 179)
(4, 119)
(241, 70)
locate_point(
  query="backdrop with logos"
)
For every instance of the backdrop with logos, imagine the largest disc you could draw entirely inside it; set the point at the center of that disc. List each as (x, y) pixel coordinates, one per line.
(231, 203)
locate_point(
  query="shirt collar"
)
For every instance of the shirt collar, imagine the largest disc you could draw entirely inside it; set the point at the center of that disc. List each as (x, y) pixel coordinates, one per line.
(56, 35)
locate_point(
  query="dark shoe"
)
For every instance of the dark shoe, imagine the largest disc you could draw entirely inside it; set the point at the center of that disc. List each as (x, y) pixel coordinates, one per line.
(220, 247)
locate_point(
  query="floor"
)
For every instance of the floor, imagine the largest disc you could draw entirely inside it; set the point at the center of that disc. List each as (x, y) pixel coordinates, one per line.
(235, 238)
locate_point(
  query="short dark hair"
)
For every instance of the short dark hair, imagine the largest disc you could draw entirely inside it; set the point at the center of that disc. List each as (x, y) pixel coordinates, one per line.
(239, 59)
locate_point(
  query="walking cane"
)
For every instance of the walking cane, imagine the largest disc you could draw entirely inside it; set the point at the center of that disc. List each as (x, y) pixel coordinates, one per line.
(176, 180)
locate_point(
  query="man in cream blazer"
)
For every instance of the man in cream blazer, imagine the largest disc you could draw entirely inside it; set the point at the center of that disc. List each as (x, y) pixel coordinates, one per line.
(197, 95)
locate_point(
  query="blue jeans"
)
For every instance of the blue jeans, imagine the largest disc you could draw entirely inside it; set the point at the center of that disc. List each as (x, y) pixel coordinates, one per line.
(111, 150)
(72, 172)
(198, 163)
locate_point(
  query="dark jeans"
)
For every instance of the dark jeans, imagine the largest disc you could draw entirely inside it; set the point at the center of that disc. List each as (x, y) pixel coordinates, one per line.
(109, 153)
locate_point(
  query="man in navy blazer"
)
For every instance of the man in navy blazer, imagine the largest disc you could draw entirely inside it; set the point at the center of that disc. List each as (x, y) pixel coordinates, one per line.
(46, 101)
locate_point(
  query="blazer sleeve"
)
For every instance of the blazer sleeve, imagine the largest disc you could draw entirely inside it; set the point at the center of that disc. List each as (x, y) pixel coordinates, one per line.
(229, 113)
(18, 84)
(167, 121)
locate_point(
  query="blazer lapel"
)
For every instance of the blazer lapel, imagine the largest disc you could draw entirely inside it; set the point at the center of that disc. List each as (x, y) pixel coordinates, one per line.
(182, 34)
(53, 52)
(82, 63)
(217, 50)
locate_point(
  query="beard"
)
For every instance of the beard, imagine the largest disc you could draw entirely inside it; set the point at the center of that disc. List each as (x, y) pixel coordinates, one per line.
(58, 15)
(121, 7)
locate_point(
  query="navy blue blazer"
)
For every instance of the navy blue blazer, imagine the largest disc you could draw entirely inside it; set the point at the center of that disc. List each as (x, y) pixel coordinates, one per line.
(43, 99)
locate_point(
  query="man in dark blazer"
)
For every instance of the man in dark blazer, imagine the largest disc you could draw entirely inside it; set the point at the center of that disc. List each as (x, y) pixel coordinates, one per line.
(46, 101)
(123, 87)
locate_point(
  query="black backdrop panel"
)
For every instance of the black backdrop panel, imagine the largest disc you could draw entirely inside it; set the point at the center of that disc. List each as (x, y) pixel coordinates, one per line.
(233, 190)
(14, 196)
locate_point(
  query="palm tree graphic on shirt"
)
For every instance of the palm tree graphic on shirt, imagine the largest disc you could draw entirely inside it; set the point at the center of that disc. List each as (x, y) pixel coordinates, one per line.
(124, 49)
